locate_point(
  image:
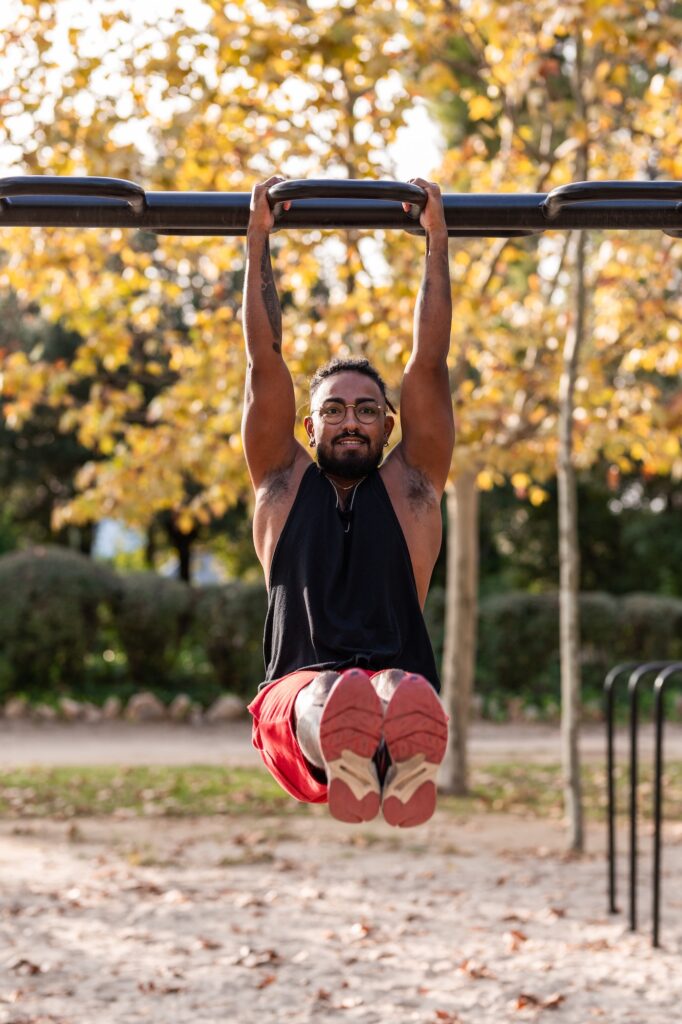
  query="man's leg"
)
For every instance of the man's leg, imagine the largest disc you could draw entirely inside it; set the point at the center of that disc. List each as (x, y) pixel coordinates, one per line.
(338, 728)
(275, 738)
(415, 737)
(307, 715)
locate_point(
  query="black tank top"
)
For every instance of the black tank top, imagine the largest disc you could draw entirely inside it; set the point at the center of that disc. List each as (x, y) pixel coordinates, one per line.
(342, 589)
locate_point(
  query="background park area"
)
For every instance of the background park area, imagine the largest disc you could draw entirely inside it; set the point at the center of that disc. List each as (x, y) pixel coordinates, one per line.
(149, 867)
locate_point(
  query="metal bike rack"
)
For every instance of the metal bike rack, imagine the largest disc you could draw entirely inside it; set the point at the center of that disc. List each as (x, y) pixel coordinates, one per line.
(52, 201)
(660, 684)
(636, 674)
(609, 688)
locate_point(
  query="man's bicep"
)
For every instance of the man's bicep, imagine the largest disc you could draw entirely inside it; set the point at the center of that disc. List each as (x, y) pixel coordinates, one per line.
(268, 420)
(427, 422)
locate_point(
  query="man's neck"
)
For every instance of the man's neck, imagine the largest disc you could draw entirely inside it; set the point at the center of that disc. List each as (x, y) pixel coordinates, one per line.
(342, 483)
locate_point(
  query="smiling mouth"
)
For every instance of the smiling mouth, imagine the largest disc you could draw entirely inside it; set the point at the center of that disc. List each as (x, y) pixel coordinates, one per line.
(351, 442)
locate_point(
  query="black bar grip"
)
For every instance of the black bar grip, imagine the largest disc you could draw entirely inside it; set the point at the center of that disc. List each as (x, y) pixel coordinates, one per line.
(347, 188)
(72, 187)
(578, 192)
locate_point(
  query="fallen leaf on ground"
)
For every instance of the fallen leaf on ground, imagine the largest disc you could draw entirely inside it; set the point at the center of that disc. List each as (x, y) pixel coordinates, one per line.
(524, 1000)
(24, 966)
(527, 999)
(151, 988)
(361, 929)
(256, 957)
(514, 939)
(266, 980)
(474, 969)
(552, 913)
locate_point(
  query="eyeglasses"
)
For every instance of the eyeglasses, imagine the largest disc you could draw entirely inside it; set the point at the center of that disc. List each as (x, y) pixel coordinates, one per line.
(336, 412)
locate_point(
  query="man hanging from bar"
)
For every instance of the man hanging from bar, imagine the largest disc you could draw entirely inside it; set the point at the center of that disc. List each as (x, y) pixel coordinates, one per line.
(349, 712)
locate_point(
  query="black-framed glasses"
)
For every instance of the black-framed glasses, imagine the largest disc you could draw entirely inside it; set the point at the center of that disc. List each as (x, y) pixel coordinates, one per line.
(336, 412)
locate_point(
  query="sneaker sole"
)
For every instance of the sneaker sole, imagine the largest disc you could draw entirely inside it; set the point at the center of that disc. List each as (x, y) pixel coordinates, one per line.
(416, 735)
(350, 732)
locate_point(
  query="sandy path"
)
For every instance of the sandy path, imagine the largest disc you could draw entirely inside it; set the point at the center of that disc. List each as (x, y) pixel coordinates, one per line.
(479, 921)
(23, 743)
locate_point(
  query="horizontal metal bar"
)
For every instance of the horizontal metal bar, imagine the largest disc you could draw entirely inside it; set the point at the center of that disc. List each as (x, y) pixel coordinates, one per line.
(505, 214)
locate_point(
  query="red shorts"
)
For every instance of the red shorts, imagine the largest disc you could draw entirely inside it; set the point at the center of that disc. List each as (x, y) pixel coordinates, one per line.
(274, 736)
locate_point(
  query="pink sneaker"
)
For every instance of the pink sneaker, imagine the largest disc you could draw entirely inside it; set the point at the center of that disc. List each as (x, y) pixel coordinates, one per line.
(350, 732)
(416, 734)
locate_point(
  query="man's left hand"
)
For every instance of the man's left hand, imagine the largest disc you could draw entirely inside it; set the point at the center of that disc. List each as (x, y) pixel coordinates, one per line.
(432, 217)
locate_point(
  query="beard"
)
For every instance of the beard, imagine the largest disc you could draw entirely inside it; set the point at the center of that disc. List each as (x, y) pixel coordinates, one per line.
(349, 464)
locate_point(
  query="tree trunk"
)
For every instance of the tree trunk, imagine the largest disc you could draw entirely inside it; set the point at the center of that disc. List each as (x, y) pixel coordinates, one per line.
(461, 603)
(150, 548)
(569, 552)
(183, 545)
(569, 560)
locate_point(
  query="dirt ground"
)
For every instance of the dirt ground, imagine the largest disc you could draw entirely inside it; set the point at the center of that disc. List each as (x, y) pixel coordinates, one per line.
(480, 920)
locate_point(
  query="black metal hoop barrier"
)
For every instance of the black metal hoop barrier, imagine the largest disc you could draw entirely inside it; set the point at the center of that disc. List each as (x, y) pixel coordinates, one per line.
(660, 683)
(636, 674)
(332, 204)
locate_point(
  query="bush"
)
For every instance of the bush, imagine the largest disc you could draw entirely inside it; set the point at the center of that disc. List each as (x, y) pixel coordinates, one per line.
(652, 625)
(51, 600)
(518, 644)
(518, 641)
(151, 615)
(71, 625)
(229, 622)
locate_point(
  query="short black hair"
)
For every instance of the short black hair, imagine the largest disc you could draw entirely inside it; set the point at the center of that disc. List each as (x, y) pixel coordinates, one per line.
(356, 365)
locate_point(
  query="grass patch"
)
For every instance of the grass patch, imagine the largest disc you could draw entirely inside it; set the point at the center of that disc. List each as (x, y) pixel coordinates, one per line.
(537, 789)
(208, 790)
(148, 791)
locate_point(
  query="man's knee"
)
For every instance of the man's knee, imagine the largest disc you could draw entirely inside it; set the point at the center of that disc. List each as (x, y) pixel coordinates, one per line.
(387, 682)
(307, 714)
(321, 685)
(315, 693)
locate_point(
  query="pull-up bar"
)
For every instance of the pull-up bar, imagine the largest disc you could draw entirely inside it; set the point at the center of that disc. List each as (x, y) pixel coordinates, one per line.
(89, 202)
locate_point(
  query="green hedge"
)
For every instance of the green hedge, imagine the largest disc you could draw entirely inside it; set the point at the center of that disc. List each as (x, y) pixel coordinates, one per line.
(518, 639)
(151, 616)
(50, 603)
(229, 627)
(71, 625)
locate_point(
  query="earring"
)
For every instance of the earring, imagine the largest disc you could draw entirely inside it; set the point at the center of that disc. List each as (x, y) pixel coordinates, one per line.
(386, 443)
(311, 442)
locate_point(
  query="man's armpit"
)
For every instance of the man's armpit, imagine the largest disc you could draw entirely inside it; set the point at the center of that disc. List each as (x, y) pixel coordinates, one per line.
(275, 485)
(421, 494)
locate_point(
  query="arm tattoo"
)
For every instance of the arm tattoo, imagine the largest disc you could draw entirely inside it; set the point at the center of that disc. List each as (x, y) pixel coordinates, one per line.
(272, 306)
(438, 265)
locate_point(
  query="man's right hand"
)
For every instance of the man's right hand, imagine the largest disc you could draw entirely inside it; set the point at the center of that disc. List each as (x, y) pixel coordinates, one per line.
(262, 218)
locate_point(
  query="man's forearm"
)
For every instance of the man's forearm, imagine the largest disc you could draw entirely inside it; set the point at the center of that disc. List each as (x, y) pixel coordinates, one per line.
(433, 315)
(262, 310)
